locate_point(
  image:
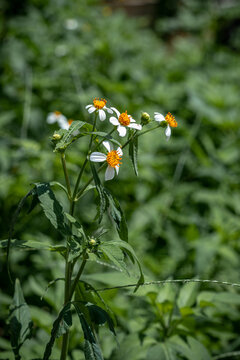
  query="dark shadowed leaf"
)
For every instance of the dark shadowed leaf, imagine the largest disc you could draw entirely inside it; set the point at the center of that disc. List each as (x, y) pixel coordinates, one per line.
(60, 326)
(19, 320)
(92, 350)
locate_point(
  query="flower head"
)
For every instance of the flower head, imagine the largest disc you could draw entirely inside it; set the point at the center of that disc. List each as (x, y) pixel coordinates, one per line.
(170, 122)
(122, 121)
(58, 117)
(100, 106)
(113, 158)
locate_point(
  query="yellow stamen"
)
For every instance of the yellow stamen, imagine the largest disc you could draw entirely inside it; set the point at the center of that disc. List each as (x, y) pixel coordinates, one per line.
(124, 119)
(99, 104)
(171, 120)
(57, 113)
(113, 158)
(70, 121)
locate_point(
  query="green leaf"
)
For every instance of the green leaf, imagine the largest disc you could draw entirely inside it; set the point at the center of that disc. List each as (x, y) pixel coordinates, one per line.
(92, 350)
(52, 207)
(19, 320)
(133, 152)
(187, 295)
(60, 326)
(129, 250)
(99, 316)
(69, 136)
(32, 245)
(14, 219)
(117, 215)
(114, 254)
(161, 352)
(56, 183)
(101, 195)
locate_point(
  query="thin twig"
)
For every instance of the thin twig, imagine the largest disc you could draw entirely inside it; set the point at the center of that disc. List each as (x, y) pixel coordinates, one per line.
(163, 282)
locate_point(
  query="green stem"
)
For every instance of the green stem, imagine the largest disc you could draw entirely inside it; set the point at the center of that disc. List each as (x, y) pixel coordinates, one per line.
(79, 273)
(146, 131)
(66, 175)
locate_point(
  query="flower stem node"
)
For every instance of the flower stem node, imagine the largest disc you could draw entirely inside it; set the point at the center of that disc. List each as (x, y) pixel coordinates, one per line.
(145, 118)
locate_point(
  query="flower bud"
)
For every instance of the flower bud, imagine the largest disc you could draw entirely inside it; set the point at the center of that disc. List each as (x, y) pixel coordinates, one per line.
(163, 124)
(145, 118)
(92, 242)
(56, 137)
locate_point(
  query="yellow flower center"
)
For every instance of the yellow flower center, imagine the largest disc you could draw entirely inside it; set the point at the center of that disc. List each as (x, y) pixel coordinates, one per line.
(70, 121)
(124, 119)
(57, 113)
(113, 158)
(171, 120)
(99, 104)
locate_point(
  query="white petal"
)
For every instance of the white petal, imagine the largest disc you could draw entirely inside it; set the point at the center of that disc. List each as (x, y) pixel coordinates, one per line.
(98, 157)
(91, 109)
(63, 124)
(119, 151)
(159, 117)
(51, 118)
(131, 119)
(121, 130)
(108, 110)
(114, 120)
(102, 115)
(88, 106)
(168, 132)
(109, 174)
(117, 169)
(116, 111)
(108, 145)
(135, 126)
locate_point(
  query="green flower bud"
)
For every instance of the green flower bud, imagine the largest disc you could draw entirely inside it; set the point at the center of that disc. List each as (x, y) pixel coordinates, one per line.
(163, 124)
(145, 118)
(92, 242)
(56, 137)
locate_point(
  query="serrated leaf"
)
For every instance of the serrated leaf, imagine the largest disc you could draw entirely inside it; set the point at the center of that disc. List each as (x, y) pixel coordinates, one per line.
(68, 136)
(92, 350)
(19, 320)
(114, 254)
(32, 245)
(133, 152)
(60, 326)
(52, 207)
(117, 215)
(131, 253)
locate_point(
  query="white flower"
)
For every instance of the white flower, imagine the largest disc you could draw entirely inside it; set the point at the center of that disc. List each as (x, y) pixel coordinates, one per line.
(99, 105)
(58, 117)
(113, 159)
(169, 118)
(71, 24)
(122, 121)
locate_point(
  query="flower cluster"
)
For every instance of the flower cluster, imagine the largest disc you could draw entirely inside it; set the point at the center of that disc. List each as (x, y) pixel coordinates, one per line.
(121, 121)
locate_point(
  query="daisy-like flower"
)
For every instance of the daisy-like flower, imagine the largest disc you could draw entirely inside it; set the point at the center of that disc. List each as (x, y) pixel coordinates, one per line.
(169, 118)
(122, 121)
(100, 106)
(113, 158)
(58, 117)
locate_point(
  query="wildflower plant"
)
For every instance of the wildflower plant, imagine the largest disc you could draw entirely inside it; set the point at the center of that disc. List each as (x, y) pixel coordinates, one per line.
(78, 244)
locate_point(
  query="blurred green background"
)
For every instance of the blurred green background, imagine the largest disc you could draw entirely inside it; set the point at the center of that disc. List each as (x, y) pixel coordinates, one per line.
(183, 209)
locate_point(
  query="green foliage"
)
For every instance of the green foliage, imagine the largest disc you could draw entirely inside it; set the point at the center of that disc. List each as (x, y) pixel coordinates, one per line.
(19, 321)
(182, 213)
